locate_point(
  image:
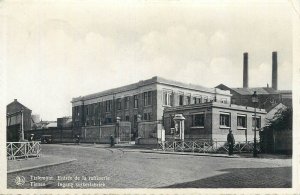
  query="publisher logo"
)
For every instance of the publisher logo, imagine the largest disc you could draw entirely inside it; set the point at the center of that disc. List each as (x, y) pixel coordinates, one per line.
(20, 180)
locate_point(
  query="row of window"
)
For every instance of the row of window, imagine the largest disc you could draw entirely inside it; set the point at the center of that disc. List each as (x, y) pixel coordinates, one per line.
(168, 99)
(198, 121)
(108, 120)
(95, 108)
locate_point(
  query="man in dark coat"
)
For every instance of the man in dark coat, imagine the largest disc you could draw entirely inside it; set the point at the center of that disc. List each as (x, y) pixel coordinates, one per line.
(112, 141)
(230, 141)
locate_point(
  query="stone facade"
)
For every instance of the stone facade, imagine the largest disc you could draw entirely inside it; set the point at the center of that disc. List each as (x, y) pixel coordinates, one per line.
(147, 98)
(213, 120)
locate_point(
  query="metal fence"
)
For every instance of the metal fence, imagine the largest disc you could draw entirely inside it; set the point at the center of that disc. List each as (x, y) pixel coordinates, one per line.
(202, 146)
(16, 150)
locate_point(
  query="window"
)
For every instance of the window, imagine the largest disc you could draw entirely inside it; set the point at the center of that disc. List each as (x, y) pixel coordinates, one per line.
(224, 101)
(181, 100)
(147, 98)
(136, 101)
(147, 116)
(225, 120)
(126, 105)
(108, 120)
(87, 110)
(108, 105)
(205, 99)
(241, 121)
(126, 118)
(188, 100)
(257, 122)
(135, 120)
(167, 100)
(119, 103)
(92, 109)
(233, 101)
(198, 120)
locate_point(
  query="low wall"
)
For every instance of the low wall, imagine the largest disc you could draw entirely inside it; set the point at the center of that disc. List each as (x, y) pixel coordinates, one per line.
(97, 134)
(147, 129)
(147, 141)
(58, 135)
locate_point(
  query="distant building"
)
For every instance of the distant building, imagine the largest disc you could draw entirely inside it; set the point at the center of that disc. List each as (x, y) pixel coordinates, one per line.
(146, 98)
(45, 125)
(268, 97)
(18, 119)
(212, 121)
(64, 122)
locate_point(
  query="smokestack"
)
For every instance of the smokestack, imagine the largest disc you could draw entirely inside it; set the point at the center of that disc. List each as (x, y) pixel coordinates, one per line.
(245, 71)
(274, 70)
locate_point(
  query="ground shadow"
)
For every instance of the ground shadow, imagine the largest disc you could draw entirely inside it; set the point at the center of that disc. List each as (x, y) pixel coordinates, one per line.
(278, 177)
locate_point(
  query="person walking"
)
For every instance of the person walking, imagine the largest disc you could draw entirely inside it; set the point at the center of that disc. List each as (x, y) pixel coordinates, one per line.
(112, 141)
(230, 141)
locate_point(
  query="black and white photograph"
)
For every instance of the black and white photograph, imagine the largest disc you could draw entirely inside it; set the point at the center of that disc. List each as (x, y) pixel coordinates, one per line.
(156, 96)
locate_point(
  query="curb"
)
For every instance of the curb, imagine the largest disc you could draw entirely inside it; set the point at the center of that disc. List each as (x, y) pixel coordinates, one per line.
(40, 166)
(186, 154)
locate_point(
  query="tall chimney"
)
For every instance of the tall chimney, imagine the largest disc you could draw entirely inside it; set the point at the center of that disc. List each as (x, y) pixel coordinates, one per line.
(245, 71)
(274, 70)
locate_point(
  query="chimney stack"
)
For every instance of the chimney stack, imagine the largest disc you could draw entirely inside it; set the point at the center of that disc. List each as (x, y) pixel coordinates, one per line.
(274, 70)
(245, 71)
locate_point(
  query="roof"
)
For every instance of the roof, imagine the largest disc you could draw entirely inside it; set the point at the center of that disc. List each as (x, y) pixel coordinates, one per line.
(285, 91)
(16, 102)
(259, 91)
(153, 80)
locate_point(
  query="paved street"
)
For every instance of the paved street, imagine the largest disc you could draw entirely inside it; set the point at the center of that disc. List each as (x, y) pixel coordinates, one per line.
(97, 166)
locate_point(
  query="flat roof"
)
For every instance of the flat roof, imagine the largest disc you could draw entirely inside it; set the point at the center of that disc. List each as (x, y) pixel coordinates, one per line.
(153, 80)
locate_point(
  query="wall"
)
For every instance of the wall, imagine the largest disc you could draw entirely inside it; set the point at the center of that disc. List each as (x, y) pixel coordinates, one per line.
(147, 130)
(240, 134)
(58, 135)
(101, 134)
(277, 142)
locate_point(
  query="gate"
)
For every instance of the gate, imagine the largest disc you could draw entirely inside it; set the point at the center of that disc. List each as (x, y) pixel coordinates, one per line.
(16, 150)
(125, 131)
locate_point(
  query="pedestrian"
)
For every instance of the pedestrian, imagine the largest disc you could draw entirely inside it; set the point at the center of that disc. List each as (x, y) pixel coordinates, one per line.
(230, 141)
(78, 139)
(112, 141)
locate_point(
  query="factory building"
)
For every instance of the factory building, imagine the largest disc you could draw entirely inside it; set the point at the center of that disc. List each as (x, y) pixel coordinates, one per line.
(269, 97)
(143, 100)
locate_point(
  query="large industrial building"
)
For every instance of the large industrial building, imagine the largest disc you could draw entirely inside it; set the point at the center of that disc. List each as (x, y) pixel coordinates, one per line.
(146, 98)
(269, 96)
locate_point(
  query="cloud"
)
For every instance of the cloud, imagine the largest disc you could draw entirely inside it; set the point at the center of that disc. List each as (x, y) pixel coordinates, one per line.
(57, 51)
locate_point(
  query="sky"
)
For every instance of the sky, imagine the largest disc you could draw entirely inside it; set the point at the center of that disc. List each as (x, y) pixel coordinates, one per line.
(53, 51)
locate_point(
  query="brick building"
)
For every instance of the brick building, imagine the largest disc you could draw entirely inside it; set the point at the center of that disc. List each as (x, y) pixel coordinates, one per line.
(18, 117)
(213, 120)
(146, 98)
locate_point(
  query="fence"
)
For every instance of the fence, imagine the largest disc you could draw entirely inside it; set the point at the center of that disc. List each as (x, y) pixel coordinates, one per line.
(202, 146)
(16, 150)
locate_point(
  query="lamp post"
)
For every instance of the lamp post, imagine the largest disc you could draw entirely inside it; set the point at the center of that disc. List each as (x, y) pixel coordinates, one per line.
(254, 101)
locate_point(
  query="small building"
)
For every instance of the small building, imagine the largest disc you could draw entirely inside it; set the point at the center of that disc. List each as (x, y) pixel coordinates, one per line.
(212, 121)
(18, 119)
(64, 122)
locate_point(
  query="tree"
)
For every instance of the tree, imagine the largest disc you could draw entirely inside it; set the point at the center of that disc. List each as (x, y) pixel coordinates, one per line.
(281, 122)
